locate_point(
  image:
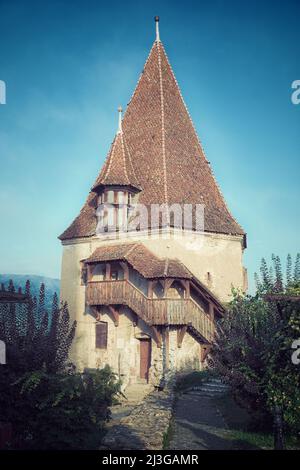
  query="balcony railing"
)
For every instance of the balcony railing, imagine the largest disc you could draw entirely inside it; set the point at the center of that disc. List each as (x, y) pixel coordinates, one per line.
(164, 311)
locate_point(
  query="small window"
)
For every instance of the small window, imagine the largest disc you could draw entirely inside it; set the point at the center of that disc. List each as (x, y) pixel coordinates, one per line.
(101, 335)
(111, 216)
(114, 275)
(110, 197)
(121, 197)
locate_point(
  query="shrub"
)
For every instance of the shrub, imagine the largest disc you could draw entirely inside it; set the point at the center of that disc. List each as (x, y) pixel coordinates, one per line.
(65, 410)
(253, 351)
(48, 403)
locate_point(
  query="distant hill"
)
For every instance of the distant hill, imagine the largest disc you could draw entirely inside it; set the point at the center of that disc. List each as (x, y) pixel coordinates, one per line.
(19, 280)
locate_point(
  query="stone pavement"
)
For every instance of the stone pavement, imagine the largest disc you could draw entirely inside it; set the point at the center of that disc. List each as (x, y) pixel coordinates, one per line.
(141, 423)
(133, 396)
(198, 424)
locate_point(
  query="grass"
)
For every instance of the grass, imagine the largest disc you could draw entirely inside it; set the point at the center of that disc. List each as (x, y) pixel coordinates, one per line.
(168, 434)
(239, 423)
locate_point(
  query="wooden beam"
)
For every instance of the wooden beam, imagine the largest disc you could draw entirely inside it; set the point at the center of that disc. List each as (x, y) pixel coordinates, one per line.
(134, 319)
(151, 284)
(125, 269)
(115, 314)
(180, 335)
(157, 336)
(90, 269)
(167, 346)
(211, 311)
(95, 312)
(204, 351)
(167, 285)
(186, 284)
(107, 271)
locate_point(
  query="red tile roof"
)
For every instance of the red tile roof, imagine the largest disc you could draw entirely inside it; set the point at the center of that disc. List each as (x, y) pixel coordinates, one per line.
(117, 169)
(142, 260)
(163, 152)
(149, 265)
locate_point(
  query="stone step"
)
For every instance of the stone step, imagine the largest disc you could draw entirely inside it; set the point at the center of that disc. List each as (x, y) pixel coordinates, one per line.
(200, 395)
(139, 380)
(209, 388)
(215, 385)
(215, 380)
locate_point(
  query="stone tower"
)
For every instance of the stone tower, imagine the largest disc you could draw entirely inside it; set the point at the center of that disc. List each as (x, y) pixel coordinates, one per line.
(146, 294)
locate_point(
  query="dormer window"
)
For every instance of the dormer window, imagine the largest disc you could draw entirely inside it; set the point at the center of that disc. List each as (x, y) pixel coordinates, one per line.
(115, 186)
(113, 209)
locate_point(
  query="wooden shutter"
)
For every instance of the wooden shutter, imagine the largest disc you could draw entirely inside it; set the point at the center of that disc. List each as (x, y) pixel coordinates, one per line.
(101, 335)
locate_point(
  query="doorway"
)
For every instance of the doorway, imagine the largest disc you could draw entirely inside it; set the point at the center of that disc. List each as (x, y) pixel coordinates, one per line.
(145, 358)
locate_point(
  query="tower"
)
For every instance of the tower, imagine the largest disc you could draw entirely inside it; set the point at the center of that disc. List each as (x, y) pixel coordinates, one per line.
(146, 295)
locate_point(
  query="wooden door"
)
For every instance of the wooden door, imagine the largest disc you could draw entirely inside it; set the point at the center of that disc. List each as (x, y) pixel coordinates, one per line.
(145, 358)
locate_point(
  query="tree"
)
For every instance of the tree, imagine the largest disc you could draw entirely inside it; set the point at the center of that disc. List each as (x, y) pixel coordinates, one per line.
(252, 350)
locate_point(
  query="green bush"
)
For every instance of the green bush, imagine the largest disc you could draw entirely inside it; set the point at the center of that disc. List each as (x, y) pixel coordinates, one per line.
(64, 410)
(48, 403)
(253, 348)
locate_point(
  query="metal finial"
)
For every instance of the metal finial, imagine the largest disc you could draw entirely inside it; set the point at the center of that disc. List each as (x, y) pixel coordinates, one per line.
(156, 19)
(120, 118)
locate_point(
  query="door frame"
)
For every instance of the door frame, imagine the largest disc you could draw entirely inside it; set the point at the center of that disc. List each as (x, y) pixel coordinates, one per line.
(149, 357)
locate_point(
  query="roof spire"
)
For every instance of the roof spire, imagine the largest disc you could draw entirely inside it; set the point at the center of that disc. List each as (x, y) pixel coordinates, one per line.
(156, 19)
(120, 119)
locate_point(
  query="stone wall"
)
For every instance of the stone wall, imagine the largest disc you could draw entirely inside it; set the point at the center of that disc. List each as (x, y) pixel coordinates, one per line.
(218, 255)
(185, 358)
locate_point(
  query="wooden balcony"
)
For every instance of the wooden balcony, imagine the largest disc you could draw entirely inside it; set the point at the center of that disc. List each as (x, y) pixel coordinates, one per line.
(164, 311)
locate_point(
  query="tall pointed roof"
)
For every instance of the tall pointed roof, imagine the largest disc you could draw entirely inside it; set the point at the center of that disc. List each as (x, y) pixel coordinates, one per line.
(166, 154)
(117, 169)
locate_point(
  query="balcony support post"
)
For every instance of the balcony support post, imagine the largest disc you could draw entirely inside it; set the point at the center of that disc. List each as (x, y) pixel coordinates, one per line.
(204, 351)
(107, 271)
(115, 314)
(157, 336)
(95, 313)
(134, 319)
(90, 269)
(167, 346)
(126, 270)
(211, 311)
(150, 289)
(180, 335)
(167, 285)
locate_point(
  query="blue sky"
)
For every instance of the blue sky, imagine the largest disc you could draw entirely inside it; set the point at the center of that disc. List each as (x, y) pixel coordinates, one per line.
(68, 65)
